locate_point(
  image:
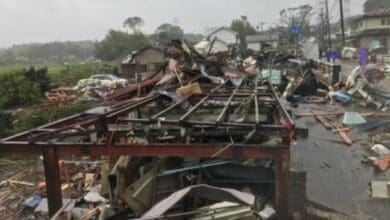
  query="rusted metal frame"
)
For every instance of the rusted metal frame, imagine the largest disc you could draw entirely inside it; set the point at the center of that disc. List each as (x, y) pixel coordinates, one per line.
(247, 138)
(176, 134)
(260, 151)
(35, 137)
(176, 150)
(259, 127)
(193, 109)
(135, 105)
(222, 114)
(159, 114)
(235, 99)
(52, 178)
(57, 123)
(283, 110)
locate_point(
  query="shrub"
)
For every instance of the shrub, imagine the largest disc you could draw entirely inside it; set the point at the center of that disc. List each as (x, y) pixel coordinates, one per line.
(38, 76)
(16, 90)
(28, 119)
(5, 124)
(71, 74)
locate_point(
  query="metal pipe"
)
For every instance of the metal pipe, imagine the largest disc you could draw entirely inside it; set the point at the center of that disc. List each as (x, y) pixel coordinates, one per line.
(227, 104)
(159, 114)
(193, 109)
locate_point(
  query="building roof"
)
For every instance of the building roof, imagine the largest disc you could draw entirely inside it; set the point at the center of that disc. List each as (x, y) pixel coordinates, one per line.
(374, 32)
(374, 14)
(223, 28)
(204, 44)
(262, 37)
(130, 58)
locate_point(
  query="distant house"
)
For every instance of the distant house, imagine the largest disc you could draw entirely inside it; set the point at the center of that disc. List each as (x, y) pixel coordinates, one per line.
(373, 31)
(256, 41)
(203, 47)
(145, 60)
(226, 35)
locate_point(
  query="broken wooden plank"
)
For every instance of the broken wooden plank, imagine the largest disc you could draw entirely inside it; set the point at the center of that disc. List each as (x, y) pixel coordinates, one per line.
(341, 130)
(343, 135)
(322, 120)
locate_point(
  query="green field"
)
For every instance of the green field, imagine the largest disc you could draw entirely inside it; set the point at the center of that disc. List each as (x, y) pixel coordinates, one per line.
(67, 75)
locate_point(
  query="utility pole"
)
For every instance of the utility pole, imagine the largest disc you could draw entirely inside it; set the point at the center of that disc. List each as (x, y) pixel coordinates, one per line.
(261, 26)
(328, 24)
(322, 33)
(342, 23)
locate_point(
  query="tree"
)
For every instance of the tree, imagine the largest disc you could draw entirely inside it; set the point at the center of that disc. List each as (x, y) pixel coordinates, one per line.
(350, 22)
(243, 28)
(165, 33)
(133, 23)
(117, 44)
(38, 76)
(375, 5)
(300, 15)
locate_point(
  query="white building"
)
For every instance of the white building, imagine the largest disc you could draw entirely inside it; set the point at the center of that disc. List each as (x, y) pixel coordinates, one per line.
(226, 35)
(255, 41)
(203, 47)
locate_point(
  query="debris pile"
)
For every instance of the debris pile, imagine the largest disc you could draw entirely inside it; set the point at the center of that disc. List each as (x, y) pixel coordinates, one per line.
(208, 138)
(94, 88)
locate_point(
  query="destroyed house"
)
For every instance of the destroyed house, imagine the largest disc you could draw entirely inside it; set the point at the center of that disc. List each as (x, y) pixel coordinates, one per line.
(204, 47)
(145, 60)
(188, 136)
(226, 134)
(373, 31)
(226, 35)
(257, 41)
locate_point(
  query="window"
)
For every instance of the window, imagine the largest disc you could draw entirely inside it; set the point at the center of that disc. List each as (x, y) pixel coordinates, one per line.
(383, 21)
(388, 21)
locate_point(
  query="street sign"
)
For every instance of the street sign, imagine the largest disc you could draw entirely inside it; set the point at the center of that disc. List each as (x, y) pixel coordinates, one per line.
(295, 29)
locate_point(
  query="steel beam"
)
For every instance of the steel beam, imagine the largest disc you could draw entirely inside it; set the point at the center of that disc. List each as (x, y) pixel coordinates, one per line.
(138, 104)
(159, 114)
(172, 150)
(222, 114)
(193, 109)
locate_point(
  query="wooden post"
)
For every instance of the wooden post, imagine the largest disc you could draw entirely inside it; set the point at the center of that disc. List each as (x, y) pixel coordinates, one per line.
(282, 164)
(53, 181)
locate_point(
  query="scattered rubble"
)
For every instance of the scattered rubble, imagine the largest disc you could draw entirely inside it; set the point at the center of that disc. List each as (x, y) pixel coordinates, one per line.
(214, 106)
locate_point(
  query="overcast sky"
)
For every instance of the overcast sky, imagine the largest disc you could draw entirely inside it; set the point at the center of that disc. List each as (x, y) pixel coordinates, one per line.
(23, 21)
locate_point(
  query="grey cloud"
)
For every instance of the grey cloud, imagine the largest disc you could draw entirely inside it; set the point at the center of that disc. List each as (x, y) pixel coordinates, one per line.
(23, 21)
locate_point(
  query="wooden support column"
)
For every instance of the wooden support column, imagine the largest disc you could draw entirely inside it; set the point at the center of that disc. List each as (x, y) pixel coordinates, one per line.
(52, 177)
(282, 161)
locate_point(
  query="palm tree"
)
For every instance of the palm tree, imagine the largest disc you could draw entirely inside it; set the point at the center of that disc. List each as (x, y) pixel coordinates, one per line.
(133, 23)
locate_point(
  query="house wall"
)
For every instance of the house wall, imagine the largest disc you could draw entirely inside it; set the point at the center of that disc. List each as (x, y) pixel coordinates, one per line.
(150, 56)
(373, 23)
(254, 46)
(218, 47)
(225, 36)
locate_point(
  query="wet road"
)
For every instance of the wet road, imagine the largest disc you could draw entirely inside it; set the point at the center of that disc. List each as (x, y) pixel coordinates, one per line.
(336, 177)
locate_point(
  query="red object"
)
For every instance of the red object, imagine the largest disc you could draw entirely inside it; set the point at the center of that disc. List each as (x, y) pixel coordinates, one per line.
(42, 185)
